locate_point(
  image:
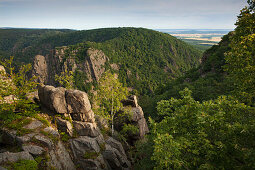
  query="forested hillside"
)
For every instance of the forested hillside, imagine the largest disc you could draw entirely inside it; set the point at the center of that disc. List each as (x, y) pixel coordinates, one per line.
(213, 126)
(14, 41)
(206, 82)
(145, 58)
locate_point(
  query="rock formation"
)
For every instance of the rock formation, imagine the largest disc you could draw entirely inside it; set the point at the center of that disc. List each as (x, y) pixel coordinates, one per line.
(46, 67)
(40, 69)
(137, 119)
(71, 141)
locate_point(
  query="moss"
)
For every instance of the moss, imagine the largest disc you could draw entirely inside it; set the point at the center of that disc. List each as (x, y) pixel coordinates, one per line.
(105, 132)
(49, 135)
(102, 146)
(91, 155)
(64, 137)
(23, 131)
(42, 119)
(37, 142)
(24, 165)
(18, 125)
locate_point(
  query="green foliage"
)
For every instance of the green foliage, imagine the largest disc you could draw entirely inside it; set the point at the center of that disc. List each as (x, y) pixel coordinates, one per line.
(42, 119)
(80, 78)
(109, 95)
(150, 56)
(49, 135)
(129, 130)
(24, 41)
(91, 155)
(66, 79)
(102, 146)
(240, 61)
(207, 81)
(64, 137)
(18, 125)
(215, 134)
(25, 165)
(17, 85)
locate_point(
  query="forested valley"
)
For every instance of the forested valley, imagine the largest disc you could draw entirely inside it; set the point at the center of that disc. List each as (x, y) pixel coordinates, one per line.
(146, 97)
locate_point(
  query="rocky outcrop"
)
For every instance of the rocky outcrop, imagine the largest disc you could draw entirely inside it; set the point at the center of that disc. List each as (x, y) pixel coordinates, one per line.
(37, 142)
(40, 69)
(90, 149)
(94, 65)
(62, 101)
(46, 67)
(135, 118)
(14, 157)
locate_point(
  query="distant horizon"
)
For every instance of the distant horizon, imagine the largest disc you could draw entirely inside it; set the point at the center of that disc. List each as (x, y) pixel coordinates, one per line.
(157, 29)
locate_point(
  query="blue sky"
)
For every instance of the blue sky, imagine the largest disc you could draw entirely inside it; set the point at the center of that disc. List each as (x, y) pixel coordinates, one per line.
(89, 14)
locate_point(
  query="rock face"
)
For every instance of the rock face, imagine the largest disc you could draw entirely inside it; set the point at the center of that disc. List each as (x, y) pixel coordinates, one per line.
(137, 119)
(90, 149)
(14, 157)
(46, 67)
(35, 144)
(40, 69)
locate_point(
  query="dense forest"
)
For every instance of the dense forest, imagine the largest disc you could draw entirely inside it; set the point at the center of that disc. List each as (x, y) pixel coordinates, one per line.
(209, 124)
(201, 115)
(145, 58)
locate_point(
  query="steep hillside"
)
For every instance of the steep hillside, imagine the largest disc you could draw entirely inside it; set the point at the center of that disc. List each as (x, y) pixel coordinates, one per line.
(207, 81)
(142, 58)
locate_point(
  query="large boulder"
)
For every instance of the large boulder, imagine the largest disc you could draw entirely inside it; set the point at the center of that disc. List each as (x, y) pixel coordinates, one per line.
(115, 159)
(139, 120)
(87, 153)
(57, 98)
(77, 101)
(62, 101)
(53, 98)
(117, 151)
(84, 144)
(86, 128)
(131, 101)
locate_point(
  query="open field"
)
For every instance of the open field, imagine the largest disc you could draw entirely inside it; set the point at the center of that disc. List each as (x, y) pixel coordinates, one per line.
(201, 39)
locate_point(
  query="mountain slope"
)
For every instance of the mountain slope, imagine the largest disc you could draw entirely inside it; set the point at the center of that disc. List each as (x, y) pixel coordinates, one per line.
(207, 81)
(143, 58)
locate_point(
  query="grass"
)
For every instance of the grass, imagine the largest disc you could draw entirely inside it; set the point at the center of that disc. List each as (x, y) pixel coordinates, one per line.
(90, 155)
(42, 119)
(102, 146)
(22, 165)
(18, 125)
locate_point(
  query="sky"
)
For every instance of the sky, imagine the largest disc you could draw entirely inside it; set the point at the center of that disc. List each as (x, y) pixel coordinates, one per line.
(90, 14)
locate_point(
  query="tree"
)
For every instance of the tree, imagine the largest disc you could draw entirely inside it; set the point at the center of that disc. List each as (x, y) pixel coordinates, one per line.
(109, 95)
(65, 79)
(215, 134)
(251, 4)
(240, 61)
(15, 86)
